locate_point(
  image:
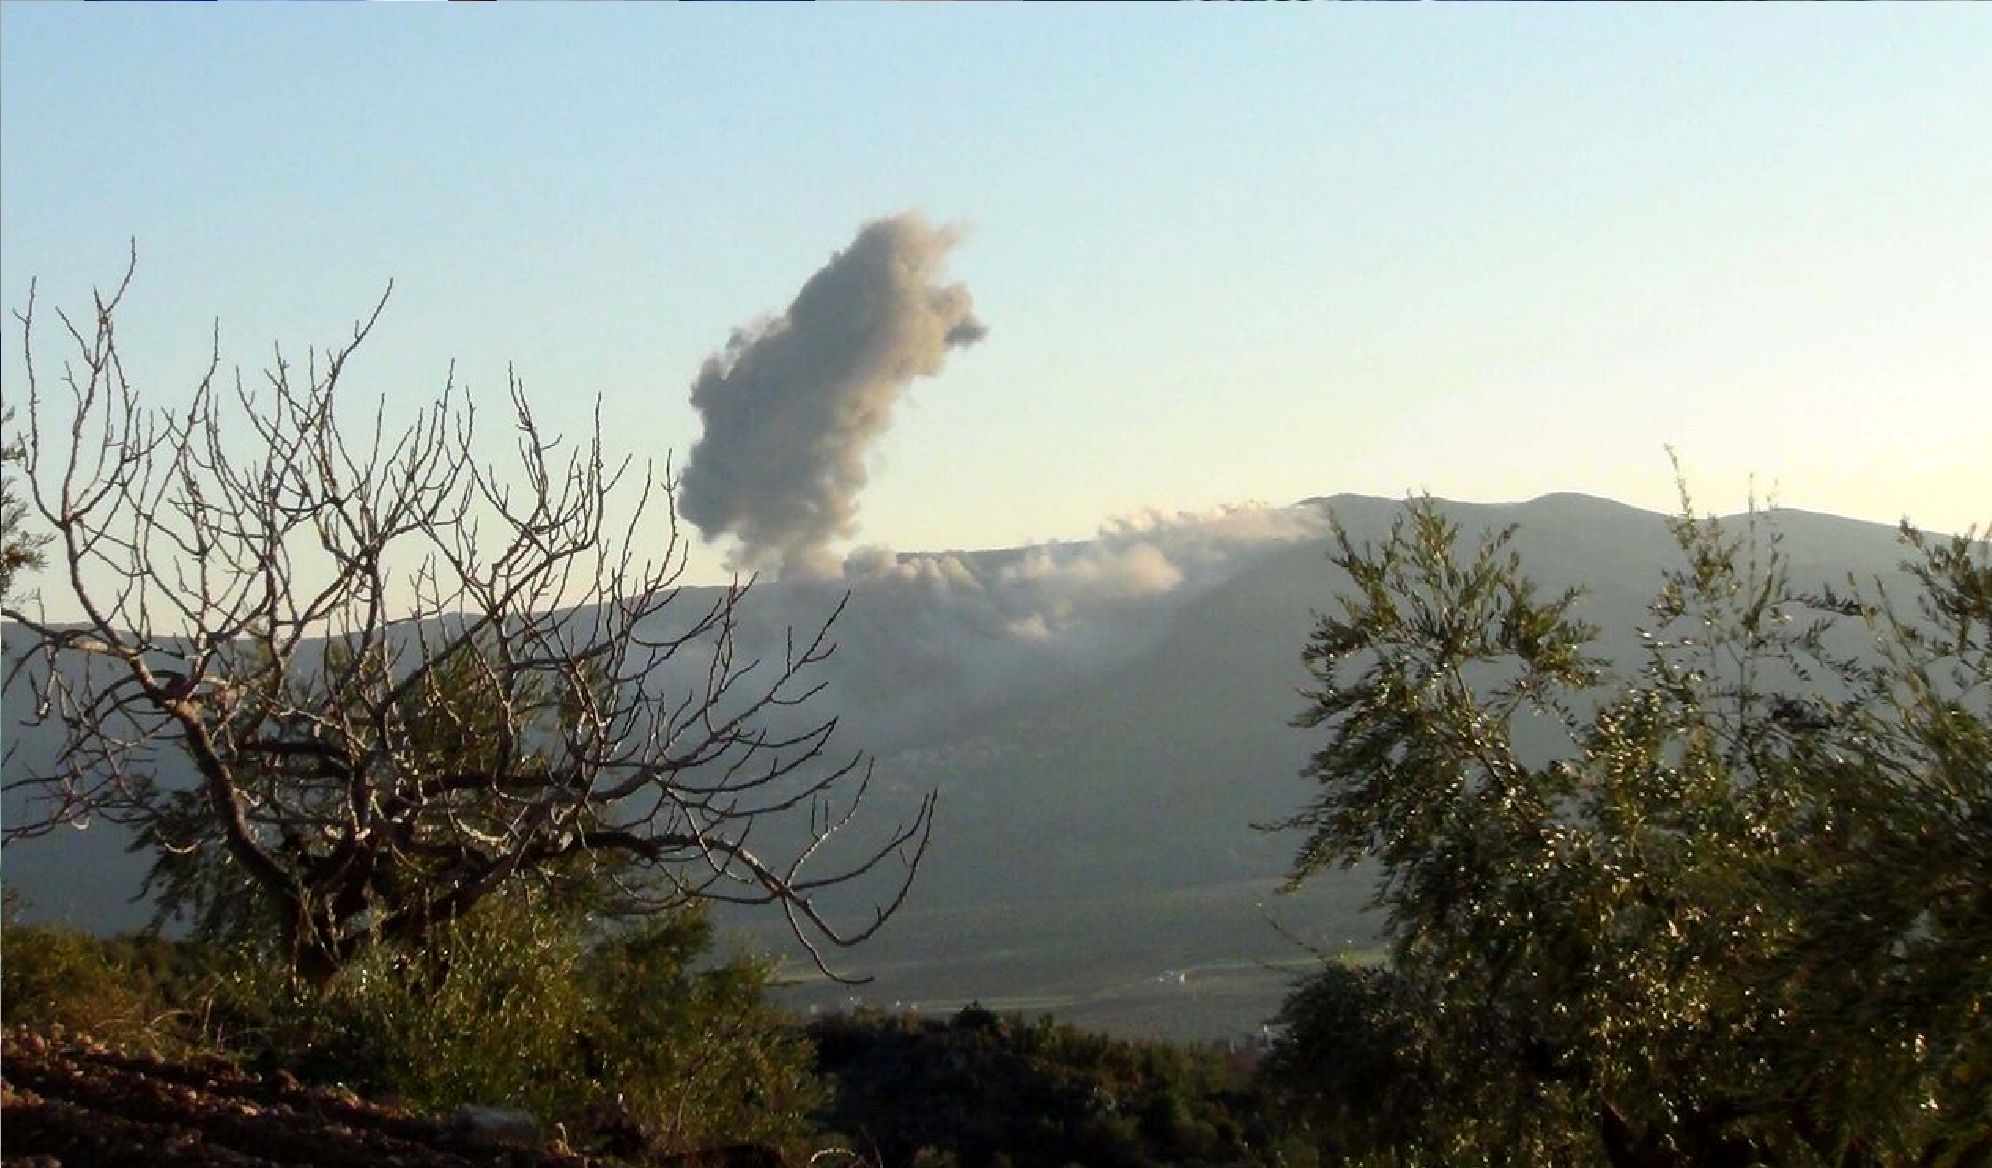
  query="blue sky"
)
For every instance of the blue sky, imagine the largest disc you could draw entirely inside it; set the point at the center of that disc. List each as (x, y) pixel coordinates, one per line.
(1226, 253)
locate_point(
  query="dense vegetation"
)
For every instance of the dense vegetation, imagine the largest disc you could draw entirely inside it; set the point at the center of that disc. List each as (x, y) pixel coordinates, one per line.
(1734, 908)
(984, 1089)
(628, 1036)
(634, 1045)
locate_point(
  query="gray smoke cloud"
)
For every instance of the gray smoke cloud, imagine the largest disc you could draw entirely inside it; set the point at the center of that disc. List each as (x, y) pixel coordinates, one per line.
(934, 641)
(935, 638)
(792, 404)
(1068, 591)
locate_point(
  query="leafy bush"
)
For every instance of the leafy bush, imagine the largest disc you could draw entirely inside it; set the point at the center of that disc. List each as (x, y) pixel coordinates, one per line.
(699, 1055)
(1737, 914)
(56, 977)
(986, 1089)
(525, 1003)
(131, 990)
(486, 1013)
(1355, 1073)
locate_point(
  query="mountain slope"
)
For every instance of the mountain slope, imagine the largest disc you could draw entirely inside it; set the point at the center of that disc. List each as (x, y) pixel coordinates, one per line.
(1095, 851)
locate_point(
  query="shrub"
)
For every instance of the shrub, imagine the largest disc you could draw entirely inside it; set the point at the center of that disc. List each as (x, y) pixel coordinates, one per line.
(1725, 906)
(699, 1056)
(58, 977)
(526, 1003)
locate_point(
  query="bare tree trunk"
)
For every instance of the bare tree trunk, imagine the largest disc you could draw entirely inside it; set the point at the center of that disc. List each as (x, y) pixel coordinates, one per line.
(406, 676)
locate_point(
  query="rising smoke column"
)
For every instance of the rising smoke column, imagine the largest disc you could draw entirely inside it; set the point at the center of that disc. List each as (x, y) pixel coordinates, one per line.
(791, 405)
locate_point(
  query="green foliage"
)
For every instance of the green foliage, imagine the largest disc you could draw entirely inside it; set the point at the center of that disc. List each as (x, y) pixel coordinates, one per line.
(984, 1089)
(527, 1003)
(1733, 912)
(134, 990)
(699, 1054)
(530, 995)
(1354, 1070)
(467, 715)
(55, 977)
(485, 1013)
(20, 551)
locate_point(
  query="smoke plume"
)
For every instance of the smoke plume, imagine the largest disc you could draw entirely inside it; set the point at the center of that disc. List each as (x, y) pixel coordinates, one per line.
(1071, 591)
(936, 639)
(792, 404)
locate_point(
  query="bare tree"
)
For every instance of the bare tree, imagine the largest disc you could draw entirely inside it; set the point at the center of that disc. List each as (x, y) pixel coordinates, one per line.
(404, 675)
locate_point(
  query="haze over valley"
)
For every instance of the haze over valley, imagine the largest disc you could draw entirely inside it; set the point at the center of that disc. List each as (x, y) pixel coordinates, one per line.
(1105, 722)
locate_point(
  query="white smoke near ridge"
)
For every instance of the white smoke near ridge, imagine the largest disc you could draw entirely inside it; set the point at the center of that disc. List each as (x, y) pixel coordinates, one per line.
(932, 638)
(1056, 588)
(792, 405)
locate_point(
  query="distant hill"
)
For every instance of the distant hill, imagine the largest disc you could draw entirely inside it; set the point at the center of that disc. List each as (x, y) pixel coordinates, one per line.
(1105, 721)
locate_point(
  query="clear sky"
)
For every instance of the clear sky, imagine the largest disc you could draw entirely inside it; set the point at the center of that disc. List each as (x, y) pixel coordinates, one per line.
(1225, 253)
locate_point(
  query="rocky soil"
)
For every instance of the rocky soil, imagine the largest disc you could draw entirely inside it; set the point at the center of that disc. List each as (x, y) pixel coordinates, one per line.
(74, 1103)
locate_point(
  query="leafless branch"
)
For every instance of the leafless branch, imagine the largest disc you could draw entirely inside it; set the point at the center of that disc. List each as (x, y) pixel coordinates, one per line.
(405, 675)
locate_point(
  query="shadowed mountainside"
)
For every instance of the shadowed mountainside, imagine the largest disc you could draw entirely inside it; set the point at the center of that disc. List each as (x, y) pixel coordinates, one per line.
(1103, 751)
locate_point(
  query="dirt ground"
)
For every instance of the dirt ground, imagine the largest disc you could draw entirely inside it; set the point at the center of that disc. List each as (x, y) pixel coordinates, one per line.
(74, 1103)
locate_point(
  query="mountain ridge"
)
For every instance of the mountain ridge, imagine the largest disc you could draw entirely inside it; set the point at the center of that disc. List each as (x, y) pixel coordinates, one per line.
(1104, 733)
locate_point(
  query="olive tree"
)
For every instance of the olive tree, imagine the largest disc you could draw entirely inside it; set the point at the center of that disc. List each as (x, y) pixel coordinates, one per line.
(1736, 913)
(20, 549)
(406, 675)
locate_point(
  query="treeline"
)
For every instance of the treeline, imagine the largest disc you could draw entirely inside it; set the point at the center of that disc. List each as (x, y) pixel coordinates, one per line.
(636, 1043)
(982, 1089)
(1730, 907)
